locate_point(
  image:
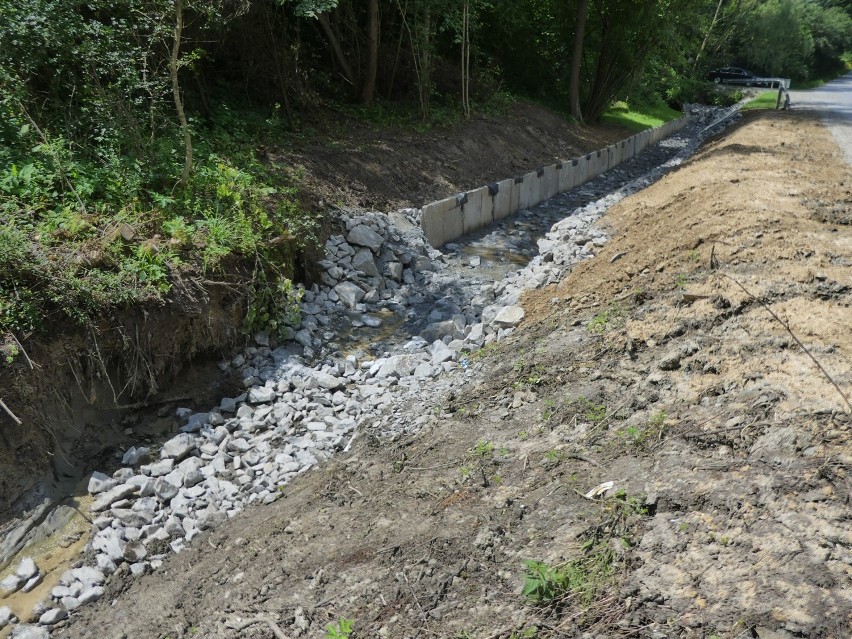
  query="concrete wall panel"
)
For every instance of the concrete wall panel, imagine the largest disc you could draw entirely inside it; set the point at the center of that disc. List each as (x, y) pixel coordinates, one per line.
(549, 182)
(517, 185)
(581, 170)
(476, 214)
(442, 221)
(503, 199)
(629, 148)
(565, 175)
(530, 188)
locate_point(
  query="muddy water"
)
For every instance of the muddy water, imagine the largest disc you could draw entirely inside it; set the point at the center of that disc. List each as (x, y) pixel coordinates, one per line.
(495, 254)
(53, 555)
(358, 340)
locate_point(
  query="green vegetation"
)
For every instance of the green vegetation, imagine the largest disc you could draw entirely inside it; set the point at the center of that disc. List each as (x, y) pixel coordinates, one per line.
(652, 433)
(639, 116)
(341, 629)
(766, 100)
(582, 581)
(590, 411)
(611, 318)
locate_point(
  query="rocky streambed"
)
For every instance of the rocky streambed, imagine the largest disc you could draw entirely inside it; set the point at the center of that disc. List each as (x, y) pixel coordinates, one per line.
(392, 318)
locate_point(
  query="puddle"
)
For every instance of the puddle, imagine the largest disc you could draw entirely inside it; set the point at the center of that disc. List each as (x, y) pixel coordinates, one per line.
(53, 555)
(495, 255)
(357, 340)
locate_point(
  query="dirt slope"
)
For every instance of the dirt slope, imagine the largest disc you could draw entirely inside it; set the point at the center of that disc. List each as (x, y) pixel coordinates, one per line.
(650, 367)
(355, 163)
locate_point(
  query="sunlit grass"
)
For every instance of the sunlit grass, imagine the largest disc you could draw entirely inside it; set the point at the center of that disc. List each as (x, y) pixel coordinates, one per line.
(766, 100)
(639, 117)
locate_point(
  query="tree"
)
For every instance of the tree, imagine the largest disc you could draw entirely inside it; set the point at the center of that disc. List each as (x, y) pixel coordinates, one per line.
(368, 86)
(576, 59)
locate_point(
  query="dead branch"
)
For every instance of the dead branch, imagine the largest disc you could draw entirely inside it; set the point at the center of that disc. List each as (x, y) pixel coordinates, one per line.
(21, 346)
(10, 413)
(158, 402)
(798, 341)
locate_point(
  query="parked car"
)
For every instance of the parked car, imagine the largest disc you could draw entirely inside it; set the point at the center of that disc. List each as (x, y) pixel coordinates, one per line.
(735, 75)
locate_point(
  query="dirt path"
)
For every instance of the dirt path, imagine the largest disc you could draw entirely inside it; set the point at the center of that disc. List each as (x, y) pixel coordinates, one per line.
(650, 367)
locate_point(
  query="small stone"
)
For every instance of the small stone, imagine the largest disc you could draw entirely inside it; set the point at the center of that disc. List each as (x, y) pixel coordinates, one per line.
(135, 456)
(192, 478)
(52, 616)
(106, 564)
(211, 518)
(329, 382)
(195, 422)
(228, 405)
(165, 490)
(114, 548)
(440, 353)
(88, 576)
(27, 569)
(134, 552)
(70, 603)
(133, 518)
(160, 468)
(27, 631)
(6, 616)
(261, 395)
(99, 483)
(371, 321)
(178, 446)
(32, 582)
(349, 293)
(394, 271)
(509, 316)
(423, 371)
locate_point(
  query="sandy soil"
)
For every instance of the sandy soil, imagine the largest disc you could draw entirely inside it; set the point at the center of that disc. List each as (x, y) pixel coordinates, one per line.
(657, 366)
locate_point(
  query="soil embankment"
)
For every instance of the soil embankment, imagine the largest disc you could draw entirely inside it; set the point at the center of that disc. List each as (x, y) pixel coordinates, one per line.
(657, 366)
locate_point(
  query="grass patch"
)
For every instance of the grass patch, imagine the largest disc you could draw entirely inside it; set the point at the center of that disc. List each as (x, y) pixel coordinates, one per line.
(582, 587)
(639, 117)
(766, 100)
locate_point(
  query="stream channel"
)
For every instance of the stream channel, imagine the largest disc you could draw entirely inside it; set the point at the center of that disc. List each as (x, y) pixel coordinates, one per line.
(392, 318)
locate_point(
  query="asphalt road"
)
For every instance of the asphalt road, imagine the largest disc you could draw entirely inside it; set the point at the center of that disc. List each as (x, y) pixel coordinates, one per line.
(833, 101)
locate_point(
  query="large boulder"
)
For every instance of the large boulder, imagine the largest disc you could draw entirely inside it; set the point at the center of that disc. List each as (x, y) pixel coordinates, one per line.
(363, 235)
(350, 294)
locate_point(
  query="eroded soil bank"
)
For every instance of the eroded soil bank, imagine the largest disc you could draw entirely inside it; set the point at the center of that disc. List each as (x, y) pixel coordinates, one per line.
(656, 366)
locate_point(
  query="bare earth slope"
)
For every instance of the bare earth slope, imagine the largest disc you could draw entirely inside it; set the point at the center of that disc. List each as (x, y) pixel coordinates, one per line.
(649, 366)
(354, 163)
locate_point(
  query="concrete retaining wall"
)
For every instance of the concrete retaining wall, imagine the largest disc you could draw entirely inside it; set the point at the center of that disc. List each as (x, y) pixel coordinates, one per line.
(448, 219)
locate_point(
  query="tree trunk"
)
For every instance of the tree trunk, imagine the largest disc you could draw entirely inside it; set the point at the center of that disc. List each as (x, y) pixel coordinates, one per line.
(368, 88)
(336, 49)
(707, 35)
(173, 72)
(465, 58)
(579, 33)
